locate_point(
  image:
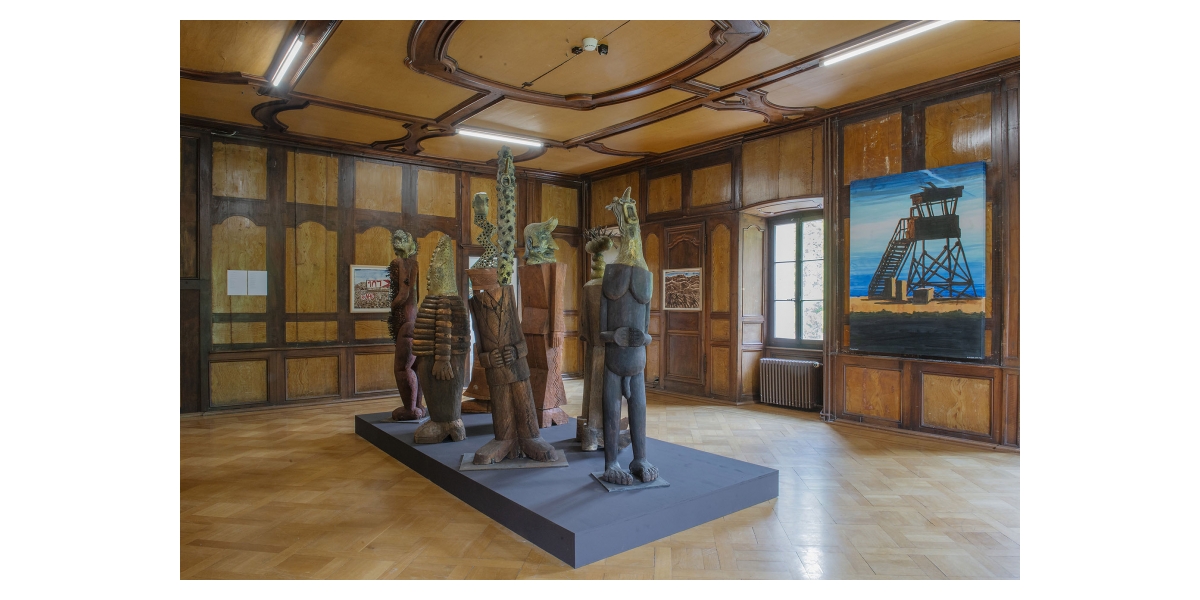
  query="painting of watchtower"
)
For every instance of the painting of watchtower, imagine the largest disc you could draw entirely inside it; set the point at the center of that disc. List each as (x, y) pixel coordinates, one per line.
(918, 262)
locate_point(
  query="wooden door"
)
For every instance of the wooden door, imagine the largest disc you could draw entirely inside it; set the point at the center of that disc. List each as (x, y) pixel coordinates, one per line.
(684, 343)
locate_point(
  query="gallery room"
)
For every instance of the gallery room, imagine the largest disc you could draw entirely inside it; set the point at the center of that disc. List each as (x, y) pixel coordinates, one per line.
(599, 299)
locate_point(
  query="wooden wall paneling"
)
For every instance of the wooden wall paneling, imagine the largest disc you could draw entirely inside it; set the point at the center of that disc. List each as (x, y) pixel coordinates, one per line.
(239, 244)
(603, 192)
(760, 170)
(189, 351)
(311, 269)
(1010, 348)
(719, 330)
(720, 367)
(912, 135)
(652, 250)
(204, 260)
(958, 131)
(665, 194)
(712, 185)
(437, 192)
(311, 331)
(1011, 435)
(237, 382)
(371, 330)
(749, 334)
(956, 403)
(346, 199)
(312, 377)
(872, 393)
(188, 206)
(788, 165)
(277, 157)
(239, 171)
(830, 179)
(374, 247)
(378, 186)
(312, 178)
(561, 202)
(872, 147)
(720, 272)
(374, 372)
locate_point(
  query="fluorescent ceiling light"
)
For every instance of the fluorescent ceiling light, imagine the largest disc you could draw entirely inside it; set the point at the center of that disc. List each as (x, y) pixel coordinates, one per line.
(287, 60)
(498, 137)
(907, 33)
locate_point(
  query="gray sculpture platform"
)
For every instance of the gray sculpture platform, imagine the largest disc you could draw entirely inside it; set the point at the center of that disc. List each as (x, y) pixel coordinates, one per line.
(564, 511)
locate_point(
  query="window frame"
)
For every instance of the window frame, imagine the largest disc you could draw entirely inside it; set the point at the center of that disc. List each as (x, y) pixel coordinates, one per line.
(799, 218)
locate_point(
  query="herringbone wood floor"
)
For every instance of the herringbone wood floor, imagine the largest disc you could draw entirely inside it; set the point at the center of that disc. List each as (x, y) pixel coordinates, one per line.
(294, 493)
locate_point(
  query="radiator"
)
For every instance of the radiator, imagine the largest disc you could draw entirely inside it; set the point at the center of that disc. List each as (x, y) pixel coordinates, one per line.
(793, 383)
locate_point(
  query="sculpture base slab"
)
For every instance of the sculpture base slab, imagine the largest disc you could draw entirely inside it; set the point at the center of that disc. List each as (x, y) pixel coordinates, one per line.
(639, 485)
(562, 510)
(477, 407)
(467, 464)
(413, 421)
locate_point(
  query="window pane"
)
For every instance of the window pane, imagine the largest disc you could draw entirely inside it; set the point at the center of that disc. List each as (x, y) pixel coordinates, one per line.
(814, 240)
(785, 320)
(812, 313)
(812, 277)
(785, 241)
(785, 281)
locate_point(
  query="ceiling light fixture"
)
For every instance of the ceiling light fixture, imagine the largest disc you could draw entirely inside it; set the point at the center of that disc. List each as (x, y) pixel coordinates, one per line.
(500, 138)
(881, 42)
(591, 45)
(291, 55)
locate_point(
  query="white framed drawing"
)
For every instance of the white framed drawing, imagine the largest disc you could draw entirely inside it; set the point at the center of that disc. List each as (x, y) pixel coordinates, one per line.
(683, 289)
(370, 289)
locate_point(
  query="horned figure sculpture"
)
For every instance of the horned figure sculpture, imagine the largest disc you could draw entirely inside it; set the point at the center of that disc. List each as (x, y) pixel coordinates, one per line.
(506, 219)
(441, 340)
(404, 275)
(543, 284)
(624, 325)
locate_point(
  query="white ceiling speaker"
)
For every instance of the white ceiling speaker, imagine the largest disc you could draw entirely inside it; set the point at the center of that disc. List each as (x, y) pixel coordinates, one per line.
(589, 44)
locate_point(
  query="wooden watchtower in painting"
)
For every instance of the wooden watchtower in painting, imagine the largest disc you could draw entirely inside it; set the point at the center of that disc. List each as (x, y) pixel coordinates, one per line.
(932, 218)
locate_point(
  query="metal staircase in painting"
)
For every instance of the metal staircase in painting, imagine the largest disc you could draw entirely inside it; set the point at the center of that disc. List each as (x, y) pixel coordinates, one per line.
(932, 218)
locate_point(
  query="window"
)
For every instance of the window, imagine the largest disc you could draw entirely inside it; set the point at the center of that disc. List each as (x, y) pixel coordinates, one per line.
(797, 281)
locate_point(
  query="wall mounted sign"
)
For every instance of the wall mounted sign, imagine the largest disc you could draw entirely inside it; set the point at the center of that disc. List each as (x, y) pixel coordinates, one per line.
(370, 289)
(918, 262)
(682, 289)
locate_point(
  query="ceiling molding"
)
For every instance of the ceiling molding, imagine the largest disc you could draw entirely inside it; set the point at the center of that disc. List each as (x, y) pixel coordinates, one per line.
(315, 33)
(429, 41)
(237, 131)
(267, 112)
(941, 86)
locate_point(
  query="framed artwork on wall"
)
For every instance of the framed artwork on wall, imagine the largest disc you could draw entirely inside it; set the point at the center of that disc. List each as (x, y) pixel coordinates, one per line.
(682, 289)
(918, 262)
(370, 289)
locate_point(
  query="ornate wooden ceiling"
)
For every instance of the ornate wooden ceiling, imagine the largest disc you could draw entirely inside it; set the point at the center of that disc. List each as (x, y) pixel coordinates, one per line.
(403, 86)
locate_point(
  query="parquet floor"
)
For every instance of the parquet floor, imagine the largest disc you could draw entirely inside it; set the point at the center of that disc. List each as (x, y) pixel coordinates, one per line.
(294, 494)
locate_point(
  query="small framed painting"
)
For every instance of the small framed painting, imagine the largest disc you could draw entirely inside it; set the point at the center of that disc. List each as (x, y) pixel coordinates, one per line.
(682, 289)
(370, 289)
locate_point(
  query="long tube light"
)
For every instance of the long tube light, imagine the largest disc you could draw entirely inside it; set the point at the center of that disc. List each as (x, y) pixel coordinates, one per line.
(891, 39)
(292, 53)
(498, 137)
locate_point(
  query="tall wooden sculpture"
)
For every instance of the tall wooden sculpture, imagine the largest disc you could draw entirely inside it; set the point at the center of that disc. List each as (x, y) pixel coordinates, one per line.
(440, 342)
(502, 351)
(624, 326)
(542, 285)
(403, 273)
(478, 389)
(590, 425)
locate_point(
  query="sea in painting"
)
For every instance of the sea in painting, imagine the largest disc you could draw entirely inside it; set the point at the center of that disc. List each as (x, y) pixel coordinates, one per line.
(918, 262)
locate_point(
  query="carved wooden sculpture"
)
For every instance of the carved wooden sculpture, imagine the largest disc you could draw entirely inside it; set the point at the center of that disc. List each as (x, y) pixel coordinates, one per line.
(478, 388)
(404, 276)
(440, 342)
(502, 351)
(506, 206)
(590, 425)
(624, 323)
(543, 282)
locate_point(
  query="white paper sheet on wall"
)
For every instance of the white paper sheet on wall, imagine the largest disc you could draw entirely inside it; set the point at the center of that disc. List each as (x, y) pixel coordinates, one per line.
(256, 283)
(235, 283)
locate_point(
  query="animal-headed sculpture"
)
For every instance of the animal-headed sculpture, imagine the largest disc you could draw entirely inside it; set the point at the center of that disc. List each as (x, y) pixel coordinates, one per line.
(404, 281)
(624, 326)
(543, 286)
(440, 341)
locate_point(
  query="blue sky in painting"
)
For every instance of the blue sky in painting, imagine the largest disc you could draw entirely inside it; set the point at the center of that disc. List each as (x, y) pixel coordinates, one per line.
(361, 274)
(877, 204)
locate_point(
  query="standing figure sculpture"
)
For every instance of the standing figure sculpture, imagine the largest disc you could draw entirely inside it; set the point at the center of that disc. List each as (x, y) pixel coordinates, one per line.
(440, 342)
(404, 275)
(502, 351)
(477, 389)
(590, 425)
(624, 326)
(543, 282)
